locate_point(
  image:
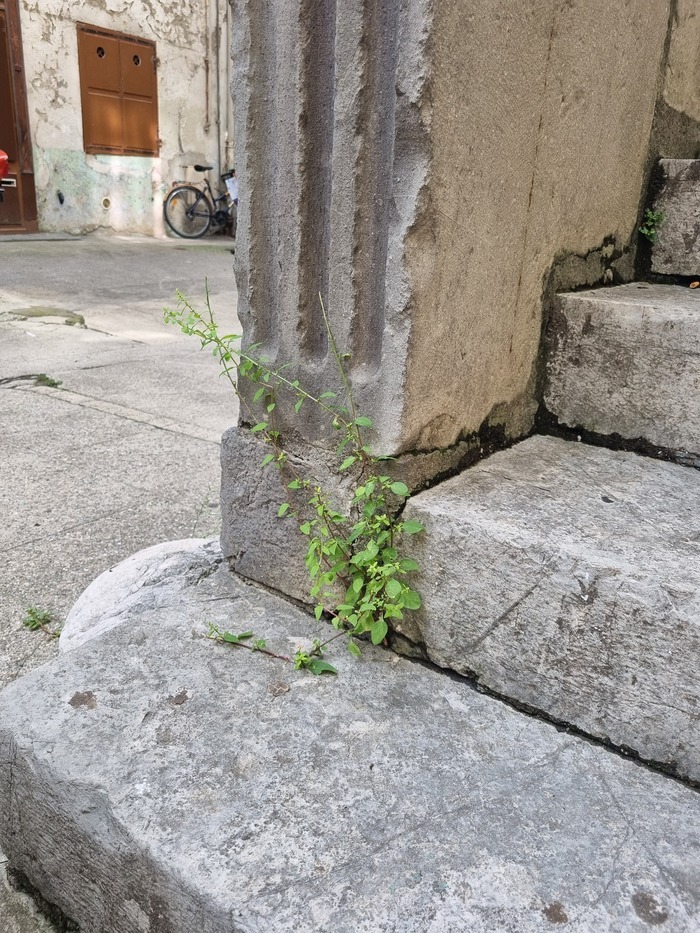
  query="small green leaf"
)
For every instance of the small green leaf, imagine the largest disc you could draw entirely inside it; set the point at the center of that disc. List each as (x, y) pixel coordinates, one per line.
(318, 612)
(412, 527)
(259, 394)
(378, 631)
(363, 422)
(408, 565)
(260, 426)
(298, 405)
(283, 509)
(358, 583)
(235, 639)
(399, 489)
(354, 649)
(317, 666)
(393, 588)
(270, 407)
(348, 462)
(268, 459)
(327, 395)
(344, 607)
(295, 484)
(411, 599)
(305, 529)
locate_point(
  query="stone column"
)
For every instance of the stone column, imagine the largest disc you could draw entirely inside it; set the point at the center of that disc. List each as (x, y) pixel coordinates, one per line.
(422, 164)
(332, 151)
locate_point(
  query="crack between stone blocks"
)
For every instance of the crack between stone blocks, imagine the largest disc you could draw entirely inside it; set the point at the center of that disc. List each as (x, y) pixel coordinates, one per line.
(547, 424)
(471, 679)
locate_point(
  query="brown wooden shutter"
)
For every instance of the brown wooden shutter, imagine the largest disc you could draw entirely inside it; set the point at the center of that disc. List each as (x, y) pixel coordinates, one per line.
(119, 92)
(138, 96)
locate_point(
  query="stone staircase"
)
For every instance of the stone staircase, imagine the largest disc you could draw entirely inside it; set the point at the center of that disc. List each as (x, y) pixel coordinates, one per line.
(566, 576)
(152, 781)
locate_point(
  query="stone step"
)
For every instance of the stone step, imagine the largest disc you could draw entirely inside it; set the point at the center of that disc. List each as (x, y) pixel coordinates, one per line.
(567, 577)
(626, 360)
(676, 248)
(152, 780)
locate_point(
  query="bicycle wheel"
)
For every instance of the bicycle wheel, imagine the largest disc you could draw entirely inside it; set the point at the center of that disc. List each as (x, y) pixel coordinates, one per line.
(187, 212)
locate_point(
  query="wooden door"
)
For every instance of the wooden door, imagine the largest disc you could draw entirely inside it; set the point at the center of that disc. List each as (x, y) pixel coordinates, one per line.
(18, 209)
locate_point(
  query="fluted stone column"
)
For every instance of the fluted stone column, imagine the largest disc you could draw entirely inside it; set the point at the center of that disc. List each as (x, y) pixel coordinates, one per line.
(422, 164)
(332, 150)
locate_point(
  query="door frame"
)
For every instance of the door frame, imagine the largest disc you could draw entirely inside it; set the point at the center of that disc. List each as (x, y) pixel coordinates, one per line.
(23, 168)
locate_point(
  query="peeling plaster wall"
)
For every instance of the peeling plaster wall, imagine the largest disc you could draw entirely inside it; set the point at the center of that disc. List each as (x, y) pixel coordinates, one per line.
(185, 32)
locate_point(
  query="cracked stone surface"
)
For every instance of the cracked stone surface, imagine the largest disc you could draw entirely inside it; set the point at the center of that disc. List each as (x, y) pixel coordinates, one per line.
(125, 453)
(197, 794)
(567, 577)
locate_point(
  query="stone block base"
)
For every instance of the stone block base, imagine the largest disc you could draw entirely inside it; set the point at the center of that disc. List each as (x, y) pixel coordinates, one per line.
(151, 780)
(626, 361)
(567, 577)
(676, 250)
(271, 551)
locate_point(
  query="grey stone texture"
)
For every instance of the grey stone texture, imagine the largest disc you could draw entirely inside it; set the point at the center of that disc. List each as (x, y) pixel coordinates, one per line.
(676, 250)
(262, 547)
(133, 582)
(125, 452)
(567, 578)
(682, 79)
(152, 780)
(626, 361)
(355, 137)
(257, 543)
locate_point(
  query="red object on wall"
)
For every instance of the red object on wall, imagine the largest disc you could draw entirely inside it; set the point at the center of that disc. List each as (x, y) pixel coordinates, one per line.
(4, 166)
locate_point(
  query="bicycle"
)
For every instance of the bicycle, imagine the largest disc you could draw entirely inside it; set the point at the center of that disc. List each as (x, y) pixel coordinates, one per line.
(190, 210)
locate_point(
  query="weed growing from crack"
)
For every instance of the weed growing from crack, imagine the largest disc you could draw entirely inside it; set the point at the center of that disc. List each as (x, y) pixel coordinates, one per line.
(651, 223)
(358, 575)
(39, 620)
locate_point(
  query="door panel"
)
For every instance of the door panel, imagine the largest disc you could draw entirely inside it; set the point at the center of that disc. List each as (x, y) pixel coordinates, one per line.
(18, 208)
(8, 136)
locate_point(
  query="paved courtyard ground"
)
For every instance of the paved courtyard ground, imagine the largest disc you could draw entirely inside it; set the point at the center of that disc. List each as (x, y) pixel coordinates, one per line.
(124, 453)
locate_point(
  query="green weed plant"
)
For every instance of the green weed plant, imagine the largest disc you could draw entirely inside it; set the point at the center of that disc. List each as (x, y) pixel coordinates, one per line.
(358, 577)
(651, 223)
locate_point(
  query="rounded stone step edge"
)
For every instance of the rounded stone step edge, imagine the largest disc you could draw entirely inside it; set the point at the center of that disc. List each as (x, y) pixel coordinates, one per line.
(109, 599)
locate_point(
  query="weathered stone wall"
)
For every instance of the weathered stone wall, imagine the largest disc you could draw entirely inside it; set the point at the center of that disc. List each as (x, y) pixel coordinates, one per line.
(682, 79)
(422, 165)
(186, 34)
(541, 117)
